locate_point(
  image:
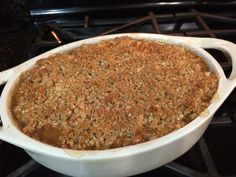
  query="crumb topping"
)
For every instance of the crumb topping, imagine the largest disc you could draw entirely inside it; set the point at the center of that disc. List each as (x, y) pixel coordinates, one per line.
(112, 94)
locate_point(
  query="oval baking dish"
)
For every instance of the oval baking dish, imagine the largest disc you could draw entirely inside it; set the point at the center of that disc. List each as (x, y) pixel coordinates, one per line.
(128, 160)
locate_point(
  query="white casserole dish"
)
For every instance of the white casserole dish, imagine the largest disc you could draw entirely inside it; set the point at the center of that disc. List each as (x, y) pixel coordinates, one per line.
(129, 160)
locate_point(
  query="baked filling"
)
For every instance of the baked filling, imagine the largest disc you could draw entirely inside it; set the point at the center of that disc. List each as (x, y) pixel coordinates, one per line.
(112, 94)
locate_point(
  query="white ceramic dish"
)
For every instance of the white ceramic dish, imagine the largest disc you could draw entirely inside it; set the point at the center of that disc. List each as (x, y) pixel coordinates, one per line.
(129, 160)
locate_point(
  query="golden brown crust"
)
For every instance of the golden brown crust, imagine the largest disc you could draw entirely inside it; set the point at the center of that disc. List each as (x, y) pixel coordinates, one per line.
(115, 93)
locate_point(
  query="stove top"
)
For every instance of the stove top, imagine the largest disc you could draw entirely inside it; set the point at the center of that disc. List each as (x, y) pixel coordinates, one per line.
(214, 155)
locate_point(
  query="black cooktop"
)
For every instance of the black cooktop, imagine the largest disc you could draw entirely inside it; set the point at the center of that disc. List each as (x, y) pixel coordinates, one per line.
(213, 155)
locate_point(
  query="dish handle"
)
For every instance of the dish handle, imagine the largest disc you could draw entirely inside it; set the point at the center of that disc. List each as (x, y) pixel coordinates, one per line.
(6, 74)
(4, 77)
(227, 47)
(1, 129)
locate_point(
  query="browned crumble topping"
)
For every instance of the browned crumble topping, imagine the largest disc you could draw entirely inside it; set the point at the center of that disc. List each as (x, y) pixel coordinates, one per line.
(112, 94)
